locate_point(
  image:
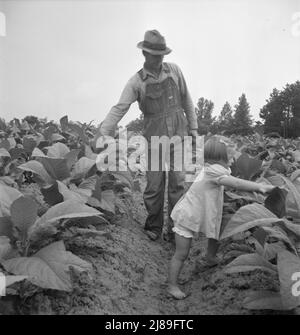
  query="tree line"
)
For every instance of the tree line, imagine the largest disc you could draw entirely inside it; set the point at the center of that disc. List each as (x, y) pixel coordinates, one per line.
(280, 114)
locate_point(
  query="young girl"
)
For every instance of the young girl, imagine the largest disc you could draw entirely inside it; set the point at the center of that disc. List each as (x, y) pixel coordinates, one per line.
(200, 209)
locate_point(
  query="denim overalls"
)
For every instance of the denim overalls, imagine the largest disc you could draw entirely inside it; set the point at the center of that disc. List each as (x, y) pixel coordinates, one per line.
(163, 115)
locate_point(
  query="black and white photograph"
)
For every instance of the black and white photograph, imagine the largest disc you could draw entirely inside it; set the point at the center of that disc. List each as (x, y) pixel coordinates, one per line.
(149, 160)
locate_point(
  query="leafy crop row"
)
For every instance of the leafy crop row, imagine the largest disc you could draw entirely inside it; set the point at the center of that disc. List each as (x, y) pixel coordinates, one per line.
(267, 229)
(61, 162)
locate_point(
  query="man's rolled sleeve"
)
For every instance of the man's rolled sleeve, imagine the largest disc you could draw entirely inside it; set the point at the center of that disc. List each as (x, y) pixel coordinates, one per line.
(128, 96)
(187, 102)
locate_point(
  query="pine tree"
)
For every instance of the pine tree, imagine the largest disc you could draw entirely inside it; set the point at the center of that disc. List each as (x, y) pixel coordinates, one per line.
(225, 119)
(242, 120)
(272, 113)
(282, 111)
(204, 111)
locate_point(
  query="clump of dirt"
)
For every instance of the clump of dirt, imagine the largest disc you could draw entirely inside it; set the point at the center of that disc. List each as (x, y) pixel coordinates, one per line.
(130, 274)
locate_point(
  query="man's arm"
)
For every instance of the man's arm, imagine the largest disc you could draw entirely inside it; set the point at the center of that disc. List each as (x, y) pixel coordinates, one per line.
(128, 96)
(187, 102)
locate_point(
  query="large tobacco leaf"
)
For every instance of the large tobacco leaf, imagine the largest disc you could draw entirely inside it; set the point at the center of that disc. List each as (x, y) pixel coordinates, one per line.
(57, 168)
(82, 167)
(12, 142)
(51, 194)
(23, 215)
(57, 137)
(271, 250)
(89, 153)
(247, 217)
(7, 196)
(29, 144)
(64, 121)
(258, 300)
(5, 144)
(276, 200)
(37, 153)
(68, 194)
(4, 153)
(250, 262)
(67, 210)
(71, 157)
(79, 131)
(58, 150)
(17, 153)
(293, 197)
(70, 209)
(38, 169)
(290, 228)
(247, 167)
(106, 200)
(278, 234)
(59, 192)
(48, 132)
(48, 268)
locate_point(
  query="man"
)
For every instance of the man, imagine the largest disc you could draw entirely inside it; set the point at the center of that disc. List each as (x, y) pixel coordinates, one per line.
(164, 99)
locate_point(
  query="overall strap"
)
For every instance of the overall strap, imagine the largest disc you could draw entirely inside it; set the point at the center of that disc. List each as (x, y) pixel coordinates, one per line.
(140, 73)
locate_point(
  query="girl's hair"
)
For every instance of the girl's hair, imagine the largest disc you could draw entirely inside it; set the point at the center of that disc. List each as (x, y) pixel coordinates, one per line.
(215, 152)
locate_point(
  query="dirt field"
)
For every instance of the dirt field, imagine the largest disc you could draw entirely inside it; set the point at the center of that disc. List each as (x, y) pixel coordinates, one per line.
(130, 274)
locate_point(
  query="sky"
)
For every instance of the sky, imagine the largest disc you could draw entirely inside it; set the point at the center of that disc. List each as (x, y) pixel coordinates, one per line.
(74, 57)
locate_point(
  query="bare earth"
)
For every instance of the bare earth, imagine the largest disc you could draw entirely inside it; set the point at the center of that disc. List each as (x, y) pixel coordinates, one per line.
(130, 273)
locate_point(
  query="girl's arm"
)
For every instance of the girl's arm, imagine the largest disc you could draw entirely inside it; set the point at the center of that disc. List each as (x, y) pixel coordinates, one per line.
(245, 185)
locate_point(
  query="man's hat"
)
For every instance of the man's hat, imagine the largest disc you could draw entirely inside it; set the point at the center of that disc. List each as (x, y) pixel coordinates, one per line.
(154, 43)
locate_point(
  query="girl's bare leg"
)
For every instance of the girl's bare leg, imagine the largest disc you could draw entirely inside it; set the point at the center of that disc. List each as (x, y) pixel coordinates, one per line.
(183, 246)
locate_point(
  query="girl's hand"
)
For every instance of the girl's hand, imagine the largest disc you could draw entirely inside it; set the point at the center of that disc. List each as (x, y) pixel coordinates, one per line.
(265, 188)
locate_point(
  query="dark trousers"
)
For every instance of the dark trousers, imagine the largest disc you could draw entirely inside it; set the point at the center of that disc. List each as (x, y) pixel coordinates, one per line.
(154, 196)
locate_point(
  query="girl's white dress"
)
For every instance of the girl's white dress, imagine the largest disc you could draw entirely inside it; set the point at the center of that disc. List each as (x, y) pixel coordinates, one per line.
(200, 208)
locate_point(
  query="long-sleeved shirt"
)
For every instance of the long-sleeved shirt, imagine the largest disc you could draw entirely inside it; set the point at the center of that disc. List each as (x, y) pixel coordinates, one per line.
(135, 91)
